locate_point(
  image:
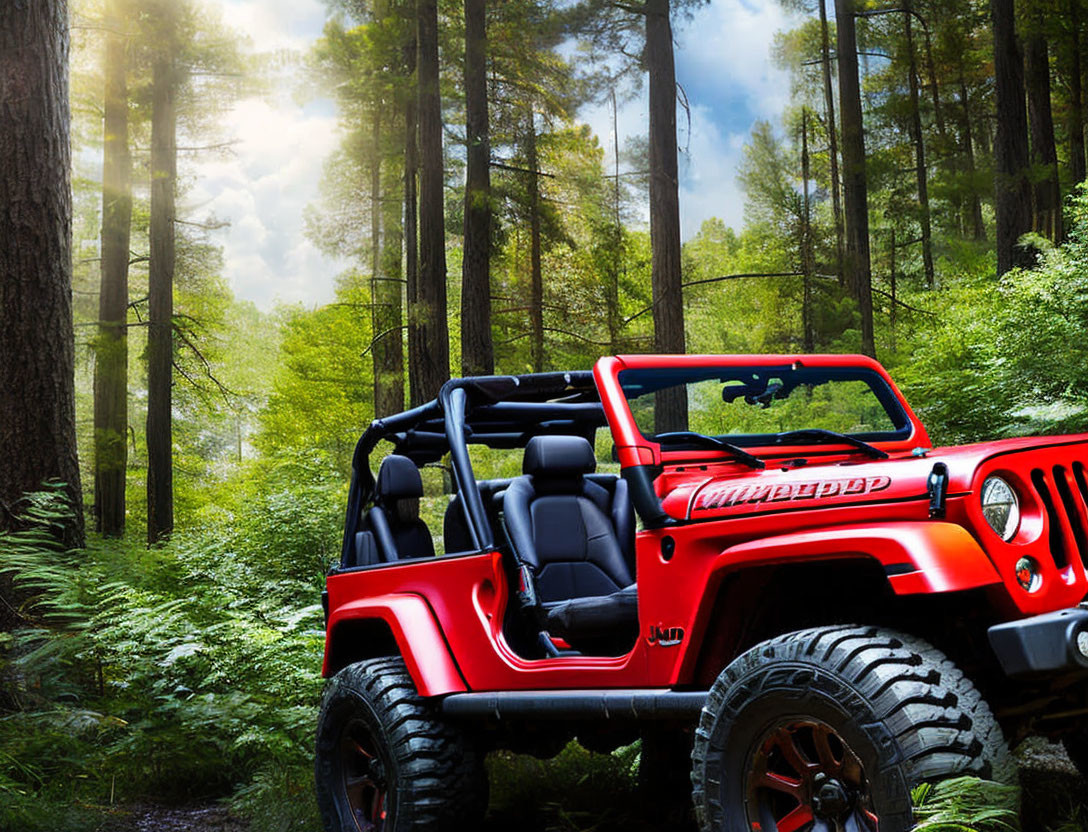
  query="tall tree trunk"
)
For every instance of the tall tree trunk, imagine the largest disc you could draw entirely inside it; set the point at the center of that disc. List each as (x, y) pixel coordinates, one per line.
(37, 347)
(612, 290)
(433, 324)
(1076, 94)
(390, 293)
(536, 276)
(974, 200)
(921, 174)
(160, 333)
(808, 256)
(1013, 191)
(387, 350)
(832, 138)
(857, 262)
(893, 278)
(477, 351)
(1044, 152)
(670, 406)
(934, 89)
(111, 348)
(416, 347)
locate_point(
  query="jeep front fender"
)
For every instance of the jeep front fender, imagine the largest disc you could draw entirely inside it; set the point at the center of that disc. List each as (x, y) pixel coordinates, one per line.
(918, 557)
(415, 631)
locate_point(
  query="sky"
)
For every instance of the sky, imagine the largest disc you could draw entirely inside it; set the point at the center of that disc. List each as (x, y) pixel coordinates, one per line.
(262, 187)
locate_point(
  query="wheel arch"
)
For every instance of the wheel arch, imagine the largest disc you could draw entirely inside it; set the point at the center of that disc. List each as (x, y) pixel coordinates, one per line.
(891, 574)
(393, 625)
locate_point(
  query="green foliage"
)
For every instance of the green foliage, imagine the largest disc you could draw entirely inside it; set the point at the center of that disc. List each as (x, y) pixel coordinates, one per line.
(178, 672)
(563, 794)
(322, 391)
(1004, 358)
(966, 804)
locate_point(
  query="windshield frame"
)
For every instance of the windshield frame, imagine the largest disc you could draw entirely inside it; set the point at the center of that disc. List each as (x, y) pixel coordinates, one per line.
(635, 448)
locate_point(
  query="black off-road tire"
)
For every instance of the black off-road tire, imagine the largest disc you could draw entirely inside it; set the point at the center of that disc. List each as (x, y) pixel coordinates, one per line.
(434, 777)
(904, 711)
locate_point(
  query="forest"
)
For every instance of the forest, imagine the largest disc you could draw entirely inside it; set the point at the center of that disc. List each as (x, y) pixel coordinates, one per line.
(177, 458)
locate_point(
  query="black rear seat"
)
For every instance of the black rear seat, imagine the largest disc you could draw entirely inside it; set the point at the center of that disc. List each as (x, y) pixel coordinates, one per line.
(578, 540)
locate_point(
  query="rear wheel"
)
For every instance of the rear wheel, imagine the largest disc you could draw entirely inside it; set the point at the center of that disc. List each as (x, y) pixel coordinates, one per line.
(386, 762)
(830, 729)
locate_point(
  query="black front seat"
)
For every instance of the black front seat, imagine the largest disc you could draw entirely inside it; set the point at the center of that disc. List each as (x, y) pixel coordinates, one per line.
(560, 525)
(394, 520)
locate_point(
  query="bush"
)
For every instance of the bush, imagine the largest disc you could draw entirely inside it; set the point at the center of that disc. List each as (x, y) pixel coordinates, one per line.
(173, 674)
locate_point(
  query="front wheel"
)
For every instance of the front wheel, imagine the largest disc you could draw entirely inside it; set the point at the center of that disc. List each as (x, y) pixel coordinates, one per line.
(386, 762)
(830, 729)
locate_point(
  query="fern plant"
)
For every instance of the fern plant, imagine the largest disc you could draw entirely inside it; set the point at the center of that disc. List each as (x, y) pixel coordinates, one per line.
(966, 804)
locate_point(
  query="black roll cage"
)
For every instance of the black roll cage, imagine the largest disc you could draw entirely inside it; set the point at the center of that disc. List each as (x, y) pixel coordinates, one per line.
(495, 411)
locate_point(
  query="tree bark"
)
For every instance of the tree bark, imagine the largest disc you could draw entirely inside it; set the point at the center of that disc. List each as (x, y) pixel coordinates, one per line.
(893, 279)
(934, 89)
(974, 200)
(37, 346)
(477, 351)
(921, 174)
(1076, 94)
(1013, 191)
(390, 295)
(536, 277)
(433, 324)
(832, 137)
(111, 348)
(612, 289)
(1044, 152)
(670, 406)
(808, 256)
(857, 261)
(160, 333)
(416, 347)
(386, 349)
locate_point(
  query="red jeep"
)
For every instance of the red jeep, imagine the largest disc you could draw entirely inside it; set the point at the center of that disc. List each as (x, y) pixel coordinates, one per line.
(784, 591)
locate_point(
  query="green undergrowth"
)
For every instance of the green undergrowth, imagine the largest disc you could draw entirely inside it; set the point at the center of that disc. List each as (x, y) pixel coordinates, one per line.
(966, 804)
(575, 790)
(190, 672)
(185, 672)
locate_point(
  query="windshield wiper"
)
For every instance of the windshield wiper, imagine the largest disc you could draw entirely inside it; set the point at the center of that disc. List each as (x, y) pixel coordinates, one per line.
(739, 454)
(829, 436)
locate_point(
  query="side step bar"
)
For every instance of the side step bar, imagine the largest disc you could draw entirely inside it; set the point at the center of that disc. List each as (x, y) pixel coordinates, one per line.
(605, 703)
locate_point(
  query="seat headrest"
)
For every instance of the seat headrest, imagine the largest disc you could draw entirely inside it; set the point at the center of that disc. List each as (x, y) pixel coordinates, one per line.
(398, 479)
(559, 456)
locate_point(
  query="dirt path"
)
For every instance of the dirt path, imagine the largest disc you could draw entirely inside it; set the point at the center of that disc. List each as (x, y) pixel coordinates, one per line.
(192, 818)
(1052, 792)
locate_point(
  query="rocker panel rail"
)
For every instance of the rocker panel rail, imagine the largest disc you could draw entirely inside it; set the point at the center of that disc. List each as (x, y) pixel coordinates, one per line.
(576, 704)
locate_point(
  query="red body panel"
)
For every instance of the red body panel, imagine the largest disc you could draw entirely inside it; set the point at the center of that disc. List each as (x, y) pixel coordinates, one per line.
(413, 626)
(447, 613)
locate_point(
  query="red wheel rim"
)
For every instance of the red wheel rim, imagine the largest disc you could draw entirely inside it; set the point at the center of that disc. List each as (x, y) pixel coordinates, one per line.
(365, 780)
(803, 777)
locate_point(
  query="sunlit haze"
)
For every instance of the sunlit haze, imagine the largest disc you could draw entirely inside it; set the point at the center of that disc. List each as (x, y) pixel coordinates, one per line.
(263, 187)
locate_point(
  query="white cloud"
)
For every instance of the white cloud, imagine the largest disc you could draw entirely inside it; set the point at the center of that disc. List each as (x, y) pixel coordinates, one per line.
(262, 189)
(276, 24)
(727, 46)
(723, 60)
(264, 185)
(708, 181)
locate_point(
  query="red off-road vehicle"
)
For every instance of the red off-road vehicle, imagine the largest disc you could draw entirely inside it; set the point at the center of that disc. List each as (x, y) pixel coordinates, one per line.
(785, 592)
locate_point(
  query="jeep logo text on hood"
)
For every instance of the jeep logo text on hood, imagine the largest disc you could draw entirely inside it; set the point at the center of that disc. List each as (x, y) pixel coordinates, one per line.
(719, 496)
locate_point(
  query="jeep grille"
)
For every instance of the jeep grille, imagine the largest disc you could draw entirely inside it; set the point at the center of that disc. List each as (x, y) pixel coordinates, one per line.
(1063, 493)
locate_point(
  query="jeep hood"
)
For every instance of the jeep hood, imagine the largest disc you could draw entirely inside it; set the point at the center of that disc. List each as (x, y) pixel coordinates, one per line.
(844, 482)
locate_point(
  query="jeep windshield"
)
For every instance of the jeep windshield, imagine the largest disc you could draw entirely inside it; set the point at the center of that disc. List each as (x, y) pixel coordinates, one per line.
(762, 406)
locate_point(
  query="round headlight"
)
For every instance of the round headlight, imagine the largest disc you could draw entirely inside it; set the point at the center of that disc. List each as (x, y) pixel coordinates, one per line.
(1000, 507)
